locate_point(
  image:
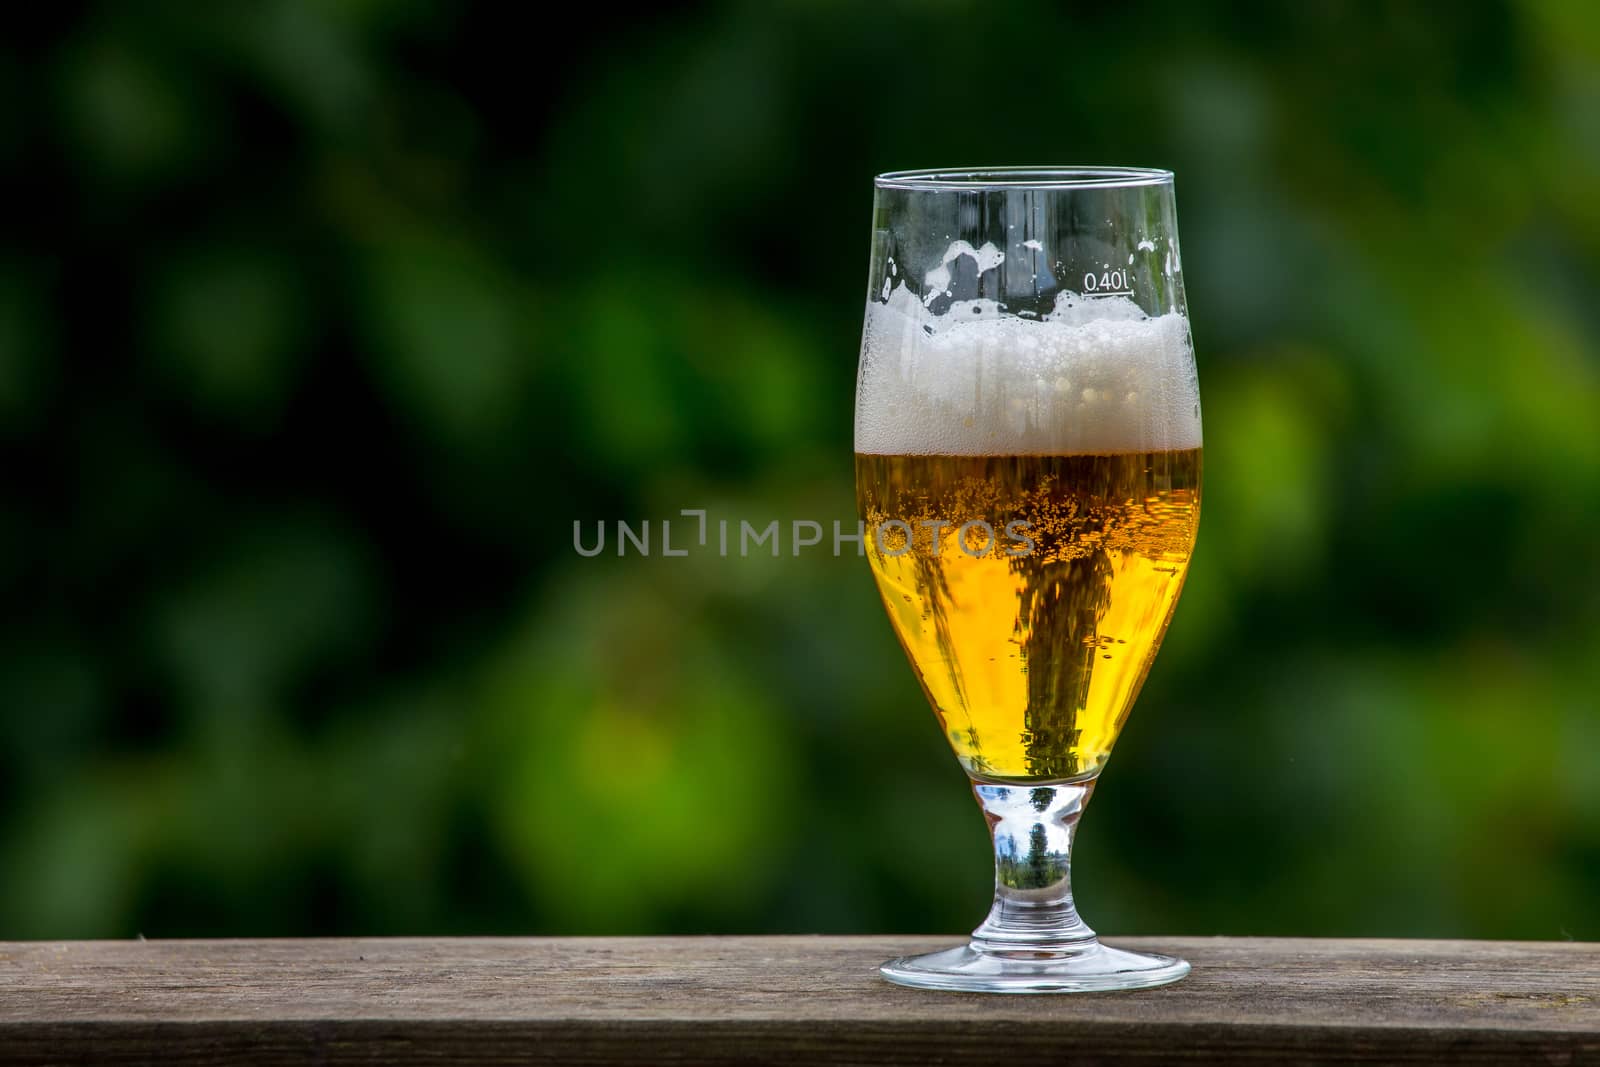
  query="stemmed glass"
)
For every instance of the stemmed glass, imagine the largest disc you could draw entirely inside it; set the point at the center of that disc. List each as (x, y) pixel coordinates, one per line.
(1027, 442)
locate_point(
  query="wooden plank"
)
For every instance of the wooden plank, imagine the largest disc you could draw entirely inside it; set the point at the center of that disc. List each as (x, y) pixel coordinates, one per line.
(780, 999)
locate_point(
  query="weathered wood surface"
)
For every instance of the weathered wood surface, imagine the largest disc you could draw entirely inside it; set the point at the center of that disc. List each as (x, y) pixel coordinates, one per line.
(781, 999)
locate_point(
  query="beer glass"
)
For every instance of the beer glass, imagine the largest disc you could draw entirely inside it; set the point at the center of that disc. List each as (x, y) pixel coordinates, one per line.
(1027, 436)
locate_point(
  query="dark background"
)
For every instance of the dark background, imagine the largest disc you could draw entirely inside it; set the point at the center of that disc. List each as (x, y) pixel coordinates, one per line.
(320, 323)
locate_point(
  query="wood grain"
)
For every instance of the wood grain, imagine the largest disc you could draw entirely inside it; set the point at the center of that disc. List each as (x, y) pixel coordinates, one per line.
(780, 1000)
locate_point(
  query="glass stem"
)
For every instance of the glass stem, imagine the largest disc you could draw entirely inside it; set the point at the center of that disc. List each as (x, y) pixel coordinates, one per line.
(1033, 914)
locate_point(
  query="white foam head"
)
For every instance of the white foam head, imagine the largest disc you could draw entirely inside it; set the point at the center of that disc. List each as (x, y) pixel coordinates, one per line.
(1094, 376)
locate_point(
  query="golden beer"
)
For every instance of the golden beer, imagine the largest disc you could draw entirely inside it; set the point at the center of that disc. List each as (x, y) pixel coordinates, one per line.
(1031, 594)
(1027, 454)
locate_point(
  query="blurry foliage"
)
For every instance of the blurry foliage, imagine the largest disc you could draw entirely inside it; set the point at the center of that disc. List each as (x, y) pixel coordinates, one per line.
(321, 322)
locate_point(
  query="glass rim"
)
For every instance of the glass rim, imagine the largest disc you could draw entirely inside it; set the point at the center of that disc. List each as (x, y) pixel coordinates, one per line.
(980, 178)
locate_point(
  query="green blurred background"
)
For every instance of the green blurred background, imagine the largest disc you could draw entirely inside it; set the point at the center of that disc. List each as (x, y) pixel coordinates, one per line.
(320, 323)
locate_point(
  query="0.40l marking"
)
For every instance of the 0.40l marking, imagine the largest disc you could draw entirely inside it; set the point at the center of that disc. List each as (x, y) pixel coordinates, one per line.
(1108, 283)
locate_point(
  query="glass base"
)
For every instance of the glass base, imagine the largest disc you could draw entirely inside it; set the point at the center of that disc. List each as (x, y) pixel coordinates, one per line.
(1094, 968)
